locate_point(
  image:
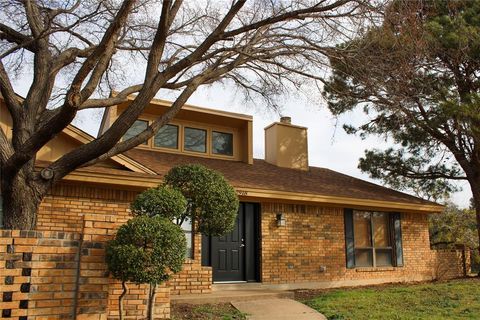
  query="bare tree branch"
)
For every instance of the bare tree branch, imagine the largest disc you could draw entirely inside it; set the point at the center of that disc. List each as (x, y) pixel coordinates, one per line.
(95, 54)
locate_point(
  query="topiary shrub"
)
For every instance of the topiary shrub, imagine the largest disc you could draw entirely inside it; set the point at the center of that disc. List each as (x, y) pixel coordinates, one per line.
(163, 201)
(146, 250)
(212, 204)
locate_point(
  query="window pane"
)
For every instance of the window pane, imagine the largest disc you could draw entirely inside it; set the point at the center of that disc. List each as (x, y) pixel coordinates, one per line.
(186, 225)
(137, 127)
(383, 257)
(363, 257)
(188, 236)
(195, 140)
(187, 229)
(380, 230)
(362, 229)
(222, 143)
(167, 137)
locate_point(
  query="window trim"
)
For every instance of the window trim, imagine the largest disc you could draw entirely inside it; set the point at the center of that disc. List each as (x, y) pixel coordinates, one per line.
(182, 125)
(373, 248)
(221, 154)
(179, 138)
(207, 147)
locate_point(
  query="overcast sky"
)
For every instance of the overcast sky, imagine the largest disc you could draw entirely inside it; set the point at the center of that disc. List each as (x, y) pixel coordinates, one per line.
(328, 145)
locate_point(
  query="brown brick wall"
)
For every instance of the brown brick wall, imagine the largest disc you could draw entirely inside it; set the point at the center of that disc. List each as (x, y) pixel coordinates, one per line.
(38, 274)
(194, 278)
(65, 207)
(135, 303)
(450, 263)
(56, 275)
(311, 248)
(97, 213)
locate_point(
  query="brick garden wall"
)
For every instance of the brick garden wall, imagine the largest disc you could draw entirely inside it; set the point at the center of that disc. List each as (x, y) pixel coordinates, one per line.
(59, 275)
(451, 263)
(311, 248)
(38, 274)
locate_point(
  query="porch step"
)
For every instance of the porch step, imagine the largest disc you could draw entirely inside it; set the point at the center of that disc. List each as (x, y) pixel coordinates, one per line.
(225, 296)
(243, 286)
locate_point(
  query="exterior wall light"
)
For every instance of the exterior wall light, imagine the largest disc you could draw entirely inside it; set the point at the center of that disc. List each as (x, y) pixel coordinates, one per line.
(281, 222)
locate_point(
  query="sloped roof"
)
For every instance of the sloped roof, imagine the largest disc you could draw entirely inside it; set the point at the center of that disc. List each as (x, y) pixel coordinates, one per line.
(262, 175)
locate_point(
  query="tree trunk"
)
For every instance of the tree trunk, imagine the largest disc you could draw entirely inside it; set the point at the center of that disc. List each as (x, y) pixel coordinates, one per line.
(476, 201)
(21, 199)
(477, 209)
(120, 300)
(151, 301)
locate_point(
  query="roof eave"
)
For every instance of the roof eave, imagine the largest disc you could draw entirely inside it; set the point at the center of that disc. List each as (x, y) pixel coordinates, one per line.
(83, 137)
(359, 203)
(144, 182)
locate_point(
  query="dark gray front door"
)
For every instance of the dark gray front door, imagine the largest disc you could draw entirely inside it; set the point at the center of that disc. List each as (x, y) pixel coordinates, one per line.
(234, 257)
(228, 253)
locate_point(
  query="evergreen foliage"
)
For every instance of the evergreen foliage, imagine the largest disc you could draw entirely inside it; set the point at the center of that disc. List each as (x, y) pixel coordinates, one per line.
(162, 201)
(416, 78)
(453, 227)
(146, 250)
(212, 204)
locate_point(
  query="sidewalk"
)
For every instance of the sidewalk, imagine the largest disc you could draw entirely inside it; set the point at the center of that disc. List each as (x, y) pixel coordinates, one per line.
(277, 309)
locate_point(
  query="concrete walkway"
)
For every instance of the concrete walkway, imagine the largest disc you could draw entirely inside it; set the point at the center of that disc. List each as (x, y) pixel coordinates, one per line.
(277, 309)
(227, 296)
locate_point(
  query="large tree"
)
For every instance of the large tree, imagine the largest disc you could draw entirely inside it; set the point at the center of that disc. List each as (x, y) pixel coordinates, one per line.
(75, 51)
(416, 76)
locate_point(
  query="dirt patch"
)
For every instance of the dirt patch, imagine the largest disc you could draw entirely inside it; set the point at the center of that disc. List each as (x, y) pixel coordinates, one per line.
(219, 311)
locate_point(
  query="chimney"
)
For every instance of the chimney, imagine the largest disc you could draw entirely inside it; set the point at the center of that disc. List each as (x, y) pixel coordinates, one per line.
(286, 145)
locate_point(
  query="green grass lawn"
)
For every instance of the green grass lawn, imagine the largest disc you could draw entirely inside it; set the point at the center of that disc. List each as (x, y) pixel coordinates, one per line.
(457, 299)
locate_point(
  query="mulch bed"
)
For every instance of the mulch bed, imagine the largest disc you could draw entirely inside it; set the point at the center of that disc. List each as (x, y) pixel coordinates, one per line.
(219, 311)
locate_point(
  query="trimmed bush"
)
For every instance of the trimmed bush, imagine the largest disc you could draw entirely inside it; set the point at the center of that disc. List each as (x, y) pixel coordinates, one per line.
(146, 250)
(212, 202)
(162, 201)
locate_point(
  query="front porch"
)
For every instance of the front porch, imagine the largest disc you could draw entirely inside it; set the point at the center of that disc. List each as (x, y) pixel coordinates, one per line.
(226, 293)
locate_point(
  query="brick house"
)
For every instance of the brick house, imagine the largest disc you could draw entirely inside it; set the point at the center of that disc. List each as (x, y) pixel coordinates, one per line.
(298, 226)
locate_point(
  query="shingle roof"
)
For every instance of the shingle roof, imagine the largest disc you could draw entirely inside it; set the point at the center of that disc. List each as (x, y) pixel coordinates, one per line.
(262, 175)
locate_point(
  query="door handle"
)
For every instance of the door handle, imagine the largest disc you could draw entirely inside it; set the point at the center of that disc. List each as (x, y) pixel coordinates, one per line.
(242, 245)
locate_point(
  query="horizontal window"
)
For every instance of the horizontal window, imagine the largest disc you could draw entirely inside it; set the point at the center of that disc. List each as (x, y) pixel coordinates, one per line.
(167, 137)
(222, 143)
(195, 140)
(181, 138)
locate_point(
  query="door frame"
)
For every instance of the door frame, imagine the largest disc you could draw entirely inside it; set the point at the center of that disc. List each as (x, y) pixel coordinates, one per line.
(252, 250)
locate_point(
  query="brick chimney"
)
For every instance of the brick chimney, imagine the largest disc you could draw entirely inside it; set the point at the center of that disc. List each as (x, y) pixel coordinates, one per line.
(286, 145)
